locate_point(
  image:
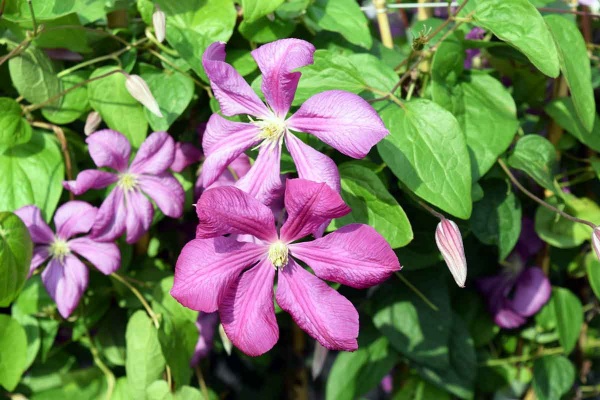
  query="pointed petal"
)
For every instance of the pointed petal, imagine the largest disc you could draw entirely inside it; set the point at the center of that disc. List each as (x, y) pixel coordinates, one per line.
(166, 191)
(343, 120)
(276, 61)
(90, 179)
(227, 209)
(40, 254)
(223, 142)
(449, 242)
(110, 219)
(309, 205)
(532, 290)
(109, 148)
(155, 155)
(247, 311)
(139, 214)
(508, 319)
(231, 90)
(207, 267)
(74, 218)
(39, 231)
(65, 283)
(185, 154)
(263, 180)
(207, 325)
(319, 310)
(354, 255)
(311, 164)
(105, 256)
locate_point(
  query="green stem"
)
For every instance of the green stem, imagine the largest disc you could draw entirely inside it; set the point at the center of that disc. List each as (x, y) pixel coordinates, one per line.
(140, 297)
(520, 359)
(90, 62)
(158, 44)
(417, 292)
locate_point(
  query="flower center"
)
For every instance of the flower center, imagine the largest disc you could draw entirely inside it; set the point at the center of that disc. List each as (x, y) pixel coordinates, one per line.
(271, 129)
(127, 181)
(59, 249)
(278, 254)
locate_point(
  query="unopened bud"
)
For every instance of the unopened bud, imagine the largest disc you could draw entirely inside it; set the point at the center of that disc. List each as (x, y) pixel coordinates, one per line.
(319, 357)
(450, 244)
(596, 240)
(140, 91)
(227, 345)
(92, 122)
(159, 22)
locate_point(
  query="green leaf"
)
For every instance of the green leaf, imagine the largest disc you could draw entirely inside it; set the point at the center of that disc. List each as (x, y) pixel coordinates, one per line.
(18, 10)
(519, 24)
(255, 9)
(34, 76)
(562, 111)
(342, 16)
(14, 129)
(496, 218)
(592, 267)
(575, 66)
(118, 109)
(265, 30)
(569, 317)
(173, 92)
(427, 151)
(73, 104)
(35, 172)
(145, 362)
(32, 331)
(16, 249)
(13, 352)
(536, 156)
(415, 388)
(159, 390)
(553, 376)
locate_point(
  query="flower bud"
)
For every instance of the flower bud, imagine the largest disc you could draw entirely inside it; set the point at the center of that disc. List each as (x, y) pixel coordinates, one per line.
(92, 122)
(159, 22)
(140, 91)
(596, 240)
(449, 242)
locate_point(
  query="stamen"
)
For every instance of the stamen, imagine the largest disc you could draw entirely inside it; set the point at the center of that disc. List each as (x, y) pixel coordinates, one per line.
(278, 254)
(271, 129)
(59, 249)
(127, 181)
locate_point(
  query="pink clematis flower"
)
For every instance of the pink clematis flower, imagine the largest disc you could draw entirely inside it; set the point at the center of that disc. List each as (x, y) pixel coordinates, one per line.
(127, 208)
(342, 120)
(214, 272)
(66, 277)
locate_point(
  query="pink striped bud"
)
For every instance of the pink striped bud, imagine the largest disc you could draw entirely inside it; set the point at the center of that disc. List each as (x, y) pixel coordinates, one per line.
(140, 91)
(92, 122)
(450, 244)
(159, 21)
(596, 240)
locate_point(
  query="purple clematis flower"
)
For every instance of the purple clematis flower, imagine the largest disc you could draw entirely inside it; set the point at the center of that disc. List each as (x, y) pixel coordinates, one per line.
(474, 34)
(66, 277)
(207, 325)
(342, 120)
(214, 272)
(127, 208)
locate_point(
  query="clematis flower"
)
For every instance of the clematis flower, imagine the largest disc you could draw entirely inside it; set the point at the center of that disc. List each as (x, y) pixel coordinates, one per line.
(214, 272)
(471, 54)
(207, 325)
(185, 155)
(342, 120)
(66, 277)
(127, 209)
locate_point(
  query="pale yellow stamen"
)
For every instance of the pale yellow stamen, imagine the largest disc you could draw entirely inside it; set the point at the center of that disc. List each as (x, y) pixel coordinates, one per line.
(278, 254)
(271, 129)
(59, 249)
(127, 181)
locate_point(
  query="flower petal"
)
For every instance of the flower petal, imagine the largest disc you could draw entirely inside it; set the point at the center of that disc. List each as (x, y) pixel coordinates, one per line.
(90, 179)
(231, 90)
(105, 256)
(532, 290)
(319, 310)
(343, 120)
(263, 180)
(109, 148)
(65, 283)
(110, 219)
(312, 164)
(207, 267)
(185, 154)
(354, 255)
(223, 142)
(227, 209)
(139, 214)
(276, 61)
(74, 218)
(155, 155)
(508, 319)
(40, 254)
(247, 311)
(206, 324)
(39, 231)
(308, 205)
(450, 243)
(166, 191)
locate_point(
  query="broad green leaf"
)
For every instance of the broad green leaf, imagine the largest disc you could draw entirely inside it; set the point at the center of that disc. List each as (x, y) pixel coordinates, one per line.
(145, 362)
(72, 105)
(592, 267)
(569, 317)
(496, 218)
(255, 9)
(519, 24)
(173, 92)
(553, 376)
(14, 129)
(415, 388)
(265, 30)
(34, 171)
(16, 249)
(18, 10)
(118, 109)
(536, 156)
(446, 69)
(342, 16)
(159, 390)
(427, 151)
(562, 111)
(110, 340)
(575, 66)
(477, 318)
(13, 352)
(34, 76)
(32, 331)
(373, 205)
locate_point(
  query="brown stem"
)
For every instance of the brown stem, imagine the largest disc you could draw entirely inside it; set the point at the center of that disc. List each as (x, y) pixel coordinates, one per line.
(64, 148)
(20, 47)
(201, 381)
